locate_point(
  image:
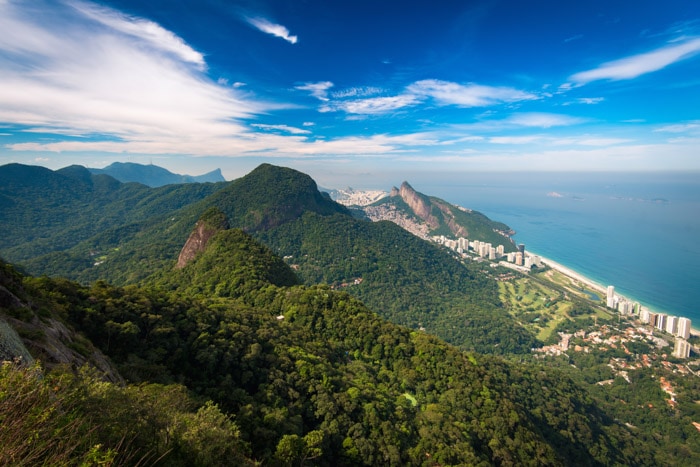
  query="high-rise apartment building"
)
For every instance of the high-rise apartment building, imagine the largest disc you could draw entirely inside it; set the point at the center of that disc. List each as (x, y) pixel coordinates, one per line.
(610, 298)
(519, 258)
(652, 319)
(684, 327)
(672, 324)
(644, 316)
(661, 321)
(681, 349)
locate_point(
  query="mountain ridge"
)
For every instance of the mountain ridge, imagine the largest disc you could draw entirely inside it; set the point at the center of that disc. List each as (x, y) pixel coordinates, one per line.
(428, 216)
(153, 175)
(312, 369)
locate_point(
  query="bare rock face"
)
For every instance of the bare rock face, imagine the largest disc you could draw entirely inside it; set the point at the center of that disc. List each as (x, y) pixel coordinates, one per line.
(211, 222)
(456, 229)
(196, 243)
(418, 205)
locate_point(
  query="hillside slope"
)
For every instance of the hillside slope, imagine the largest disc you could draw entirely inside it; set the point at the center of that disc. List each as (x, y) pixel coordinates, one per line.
(403, 278)
(45, 212)
(310, 374)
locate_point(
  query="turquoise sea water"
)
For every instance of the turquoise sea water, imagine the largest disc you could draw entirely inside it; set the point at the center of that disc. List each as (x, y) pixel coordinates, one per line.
(638, 232)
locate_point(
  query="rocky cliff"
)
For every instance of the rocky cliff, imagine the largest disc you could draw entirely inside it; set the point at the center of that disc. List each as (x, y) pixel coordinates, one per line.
(428, 216)
(431, 210)
(419, 204)
(28, 332)
(212, 222)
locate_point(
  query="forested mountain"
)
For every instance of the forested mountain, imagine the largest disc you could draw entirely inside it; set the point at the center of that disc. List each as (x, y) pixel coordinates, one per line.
(307, 375)
(222, 324)
(45, 212)
(154, 176)
(403, 278)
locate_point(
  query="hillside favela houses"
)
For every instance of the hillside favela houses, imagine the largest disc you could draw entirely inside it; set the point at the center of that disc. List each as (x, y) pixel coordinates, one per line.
(676, 326)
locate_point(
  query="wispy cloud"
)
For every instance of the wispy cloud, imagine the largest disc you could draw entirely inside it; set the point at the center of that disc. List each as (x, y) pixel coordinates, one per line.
(141, 29)
(269, 27)
(586, 101)
(680, 127)
(515, 139)
(97, 72)
(542, 120)
(587, 140)
(373, 105)
(437, 92)
(467, 95)
(357, 92)
(284, 128)
(318, 90)
(637, 65)
(574, 38)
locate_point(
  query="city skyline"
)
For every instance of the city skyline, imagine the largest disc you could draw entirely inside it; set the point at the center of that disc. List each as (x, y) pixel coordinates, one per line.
(351, 88)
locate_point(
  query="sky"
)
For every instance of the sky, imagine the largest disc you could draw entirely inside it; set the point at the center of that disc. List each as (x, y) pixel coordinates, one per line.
(352, 92)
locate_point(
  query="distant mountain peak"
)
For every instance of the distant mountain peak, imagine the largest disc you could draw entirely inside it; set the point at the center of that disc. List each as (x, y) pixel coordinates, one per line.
(427, 216)
(153, 175)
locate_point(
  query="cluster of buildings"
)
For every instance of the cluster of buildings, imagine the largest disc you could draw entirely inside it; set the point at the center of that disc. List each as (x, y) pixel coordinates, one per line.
(488, 251)
(674, 325)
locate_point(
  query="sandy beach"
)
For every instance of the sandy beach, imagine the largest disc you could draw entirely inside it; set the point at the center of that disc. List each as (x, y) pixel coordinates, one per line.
(588, 282)
(571, 273)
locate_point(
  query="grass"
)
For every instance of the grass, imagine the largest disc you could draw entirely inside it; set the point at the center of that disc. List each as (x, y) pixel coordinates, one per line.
(540, 303)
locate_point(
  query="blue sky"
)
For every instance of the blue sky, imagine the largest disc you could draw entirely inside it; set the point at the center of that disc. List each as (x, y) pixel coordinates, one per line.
(352, 90)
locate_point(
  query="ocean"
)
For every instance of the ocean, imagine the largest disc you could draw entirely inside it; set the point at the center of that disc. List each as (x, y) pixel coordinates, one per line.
(637, 231)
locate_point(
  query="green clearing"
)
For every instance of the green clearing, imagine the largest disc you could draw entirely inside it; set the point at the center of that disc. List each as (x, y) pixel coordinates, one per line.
(543, 301)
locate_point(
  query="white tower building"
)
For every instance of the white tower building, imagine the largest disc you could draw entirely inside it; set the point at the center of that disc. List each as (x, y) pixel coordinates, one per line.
(672, 324)
(610, 301)
(684, 328)
(681, 349)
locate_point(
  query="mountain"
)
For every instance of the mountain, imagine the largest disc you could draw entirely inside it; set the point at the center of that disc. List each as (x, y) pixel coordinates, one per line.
(427, 216)
(238, 355)
(45, 213)
(403, 278)
(154, 176)
(288, 374)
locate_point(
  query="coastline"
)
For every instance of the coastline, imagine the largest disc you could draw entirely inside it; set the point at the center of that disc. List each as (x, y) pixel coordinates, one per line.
(590, 283)
(572, 274)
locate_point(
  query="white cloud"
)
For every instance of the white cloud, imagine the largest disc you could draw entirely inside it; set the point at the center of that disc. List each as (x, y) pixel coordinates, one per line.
(680, 127)
(586, 101)
(142, 29)
(373, 105)
(357, 92)
(542, 120)
(589, 141)
(285, 128)
(637, 65)
(469, 95)
(515, 139)
(95, 74)
(441, 92)
(276, 30)
(318, 90)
